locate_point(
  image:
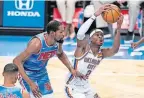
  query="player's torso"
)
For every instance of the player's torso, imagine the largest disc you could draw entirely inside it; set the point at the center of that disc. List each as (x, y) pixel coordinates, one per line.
(10, 92)
(39, 61)
(86, 66)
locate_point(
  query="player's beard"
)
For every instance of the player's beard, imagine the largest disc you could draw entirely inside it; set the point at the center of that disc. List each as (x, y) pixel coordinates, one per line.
(56, 39)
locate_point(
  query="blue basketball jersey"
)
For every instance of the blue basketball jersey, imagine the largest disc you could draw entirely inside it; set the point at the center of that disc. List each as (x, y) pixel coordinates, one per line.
(39, 61)
(10, 92)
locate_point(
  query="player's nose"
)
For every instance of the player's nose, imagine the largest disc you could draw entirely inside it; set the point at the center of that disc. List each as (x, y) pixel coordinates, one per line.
(100, 36)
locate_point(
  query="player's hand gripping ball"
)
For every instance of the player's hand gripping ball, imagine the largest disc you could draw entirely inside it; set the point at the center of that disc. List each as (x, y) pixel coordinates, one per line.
(111, 15)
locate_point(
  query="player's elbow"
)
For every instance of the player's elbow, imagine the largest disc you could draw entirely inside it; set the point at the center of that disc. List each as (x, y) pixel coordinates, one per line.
(116, 51)
(80, 36)
(60, 54)
(116, 48)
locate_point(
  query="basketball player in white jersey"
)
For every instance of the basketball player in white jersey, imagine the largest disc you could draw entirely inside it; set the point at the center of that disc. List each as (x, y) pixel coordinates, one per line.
(88, 55)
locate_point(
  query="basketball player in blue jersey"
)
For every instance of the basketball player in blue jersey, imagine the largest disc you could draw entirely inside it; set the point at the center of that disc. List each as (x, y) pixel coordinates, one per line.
(88, 55)
(8, 89)
(32, 62)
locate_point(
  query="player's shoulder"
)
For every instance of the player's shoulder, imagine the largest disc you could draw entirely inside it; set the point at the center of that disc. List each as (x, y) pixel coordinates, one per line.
(35, 42)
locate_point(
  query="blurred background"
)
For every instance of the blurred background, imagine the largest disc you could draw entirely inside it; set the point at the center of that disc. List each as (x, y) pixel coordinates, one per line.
(20, 21)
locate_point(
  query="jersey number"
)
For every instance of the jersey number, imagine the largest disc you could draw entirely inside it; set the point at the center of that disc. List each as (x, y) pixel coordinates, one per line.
(88, 73)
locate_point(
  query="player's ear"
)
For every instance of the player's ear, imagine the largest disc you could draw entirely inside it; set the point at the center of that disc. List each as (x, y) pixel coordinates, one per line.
(52, 33)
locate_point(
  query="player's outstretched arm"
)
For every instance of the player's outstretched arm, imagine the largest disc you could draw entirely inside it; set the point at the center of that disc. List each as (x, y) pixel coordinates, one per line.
(135, 44)
(81, 41)
(64, 59)
(33, 47)
(111, 51)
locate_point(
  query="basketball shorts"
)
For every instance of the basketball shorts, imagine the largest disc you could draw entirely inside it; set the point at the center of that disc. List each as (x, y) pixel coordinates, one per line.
(73, 93)
(42, 81)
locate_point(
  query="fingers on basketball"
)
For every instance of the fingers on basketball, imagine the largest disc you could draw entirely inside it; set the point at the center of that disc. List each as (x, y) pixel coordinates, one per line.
(112, 14)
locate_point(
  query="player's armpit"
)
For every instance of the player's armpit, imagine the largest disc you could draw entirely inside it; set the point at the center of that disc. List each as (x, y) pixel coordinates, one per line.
(82, 43)
(81, 48)
(109, 52)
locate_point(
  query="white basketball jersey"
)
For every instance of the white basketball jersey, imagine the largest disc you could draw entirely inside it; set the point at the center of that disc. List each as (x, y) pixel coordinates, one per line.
(85, 65)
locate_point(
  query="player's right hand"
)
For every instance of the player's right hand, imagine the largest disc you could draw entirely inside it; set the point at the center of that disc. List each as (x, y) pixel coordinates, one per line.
(35, 90)
(134, 45)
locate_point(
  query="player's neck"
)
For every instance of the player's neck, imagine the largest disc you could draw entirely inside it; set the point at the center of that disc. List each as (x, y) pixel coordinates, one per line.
(94, 49)
(8, 83)
(49, 40)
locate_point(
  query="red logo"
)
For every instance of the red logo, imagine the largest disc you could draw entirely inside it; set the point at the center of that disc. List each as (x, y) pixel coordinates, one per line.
(46, 55)
(48, 86)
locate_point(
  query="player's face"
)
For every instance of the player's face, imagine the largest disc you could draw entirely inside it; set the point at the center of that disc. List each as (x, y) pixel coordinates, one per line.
(59, 34)
(98, 38)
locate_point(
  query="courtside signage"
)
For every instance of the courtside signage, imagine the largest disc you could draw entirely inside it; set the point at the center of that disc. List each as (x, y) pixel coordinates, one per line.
(24, 13)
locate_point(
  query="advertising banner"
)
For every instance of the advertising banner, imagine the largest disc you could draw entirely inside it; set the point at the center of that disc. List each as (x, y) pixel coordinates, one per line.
(1, 15)
(24, 13)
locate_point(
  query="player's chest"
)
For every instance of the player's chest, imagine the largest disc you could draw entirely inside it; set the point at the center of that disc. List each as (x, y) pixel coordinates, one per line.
(47, 54)
(89, 62)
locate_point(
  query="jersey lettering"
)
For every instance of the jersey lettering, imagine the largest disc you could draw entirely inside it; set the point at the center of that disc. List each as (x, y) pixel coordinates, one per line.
(46, 55)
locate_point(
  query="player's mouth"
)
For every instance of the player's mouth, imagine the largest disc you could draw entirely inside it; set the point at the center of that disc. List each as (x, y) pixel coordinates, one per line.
(101, 42)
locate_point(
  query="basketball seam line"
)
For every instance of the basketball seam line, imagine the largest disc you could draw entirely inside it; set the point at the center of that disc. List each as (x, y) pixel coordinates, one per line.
(116, 11)
(106, 16)
(112, 15)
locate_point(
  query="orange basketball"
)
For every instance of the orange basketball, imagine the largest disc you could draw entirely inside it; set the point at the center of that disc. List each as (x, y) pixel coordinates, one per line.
(111, 15)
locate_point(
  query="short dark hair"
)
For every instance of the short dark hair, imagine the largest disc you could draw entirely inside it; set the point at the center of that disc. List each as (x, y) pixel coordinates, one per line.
(10, 67)
(53, 26)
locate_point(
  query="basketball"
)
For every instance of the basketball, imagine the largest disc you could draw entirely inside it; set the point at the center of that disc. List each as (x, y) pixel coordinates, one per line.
(111, 15)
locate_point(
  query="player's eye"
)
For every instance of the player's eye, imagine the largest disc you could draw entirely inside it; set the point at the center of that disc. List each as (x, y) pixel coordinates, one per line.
(97, 34)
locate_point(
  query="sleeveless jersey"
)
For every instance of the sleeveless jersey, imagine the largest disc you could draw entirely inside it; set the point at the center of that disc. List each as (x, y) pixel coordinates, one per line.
(10, 92)
(39, 61)
(85, 65)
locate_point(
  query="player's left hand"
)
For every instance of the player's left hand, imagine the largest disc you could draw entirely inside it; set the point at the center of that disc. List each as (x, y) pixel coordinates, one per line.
(134, 45)
(120, 21)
